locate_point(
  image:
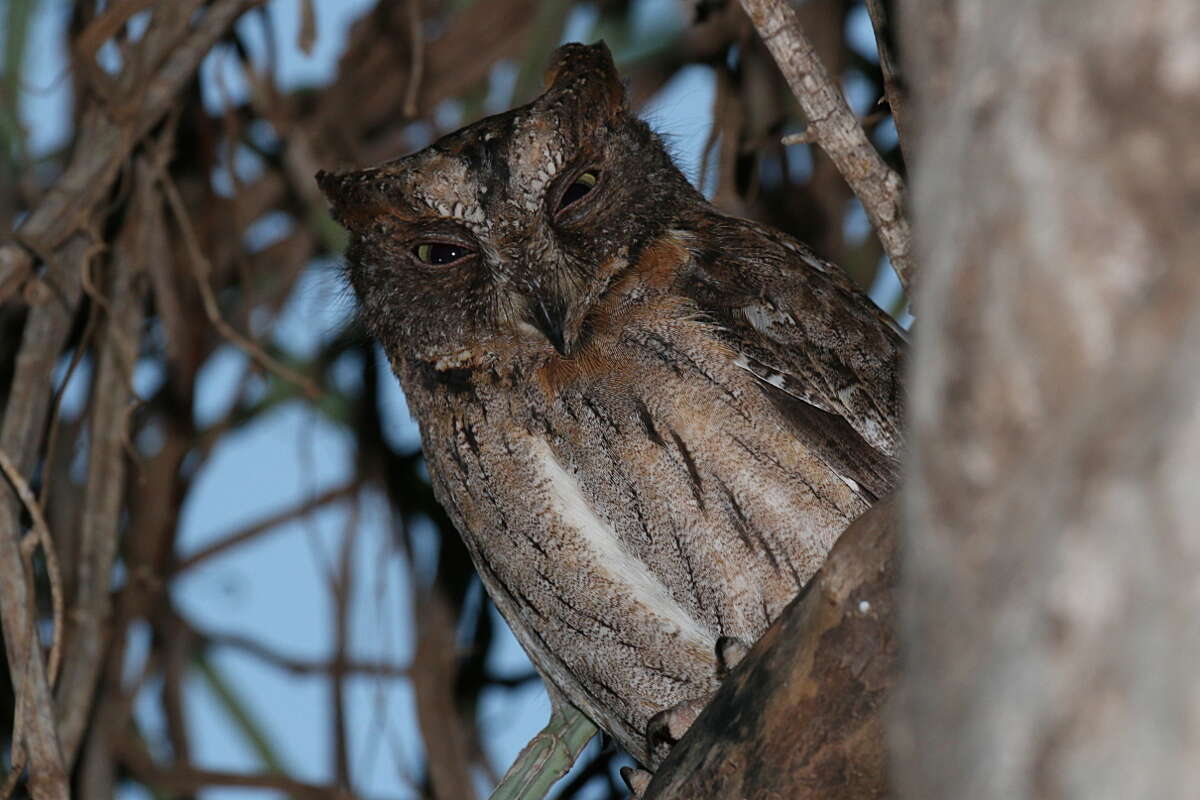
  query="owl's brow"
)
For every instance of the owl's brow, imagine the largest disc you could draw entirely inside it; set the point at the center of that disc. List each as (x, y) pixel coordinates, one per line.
(470, 213)
(539, 153)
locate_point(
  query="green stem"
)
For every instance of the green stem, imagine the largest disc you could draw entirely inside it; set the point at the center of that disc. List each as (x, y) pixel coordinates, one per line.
(547, 757)
(241, 715)
(16, 27)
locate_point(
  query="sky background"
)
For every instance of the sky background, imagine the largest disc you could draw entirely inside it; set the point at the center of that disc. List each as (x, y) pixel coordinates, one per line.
(273, 589)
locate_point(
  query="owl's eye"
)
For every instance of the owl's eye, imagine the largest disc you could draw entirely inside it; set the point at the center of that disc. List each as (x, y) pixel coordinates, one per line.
(575, 192)
(440, 253)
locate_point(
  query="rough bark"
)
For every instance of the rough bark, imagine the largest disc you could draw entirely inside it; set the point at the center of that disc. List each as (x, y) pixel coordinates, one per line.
(801, 715)
(1049, 603)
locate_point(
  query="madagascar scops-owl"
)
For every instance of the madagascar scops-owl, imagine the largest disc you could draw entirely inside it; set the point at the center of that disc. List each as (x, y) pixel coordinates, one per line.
(649, 420)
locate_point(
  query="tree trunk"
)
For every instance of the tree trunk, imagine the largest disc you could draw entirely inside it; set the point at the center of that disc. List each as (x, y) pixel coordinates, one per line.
(1050, 597)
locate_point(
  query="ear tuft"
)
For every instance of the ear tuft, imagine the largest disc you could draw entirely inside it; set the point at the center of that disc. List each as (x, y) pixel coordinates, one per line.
(587, 71)
(355, 198)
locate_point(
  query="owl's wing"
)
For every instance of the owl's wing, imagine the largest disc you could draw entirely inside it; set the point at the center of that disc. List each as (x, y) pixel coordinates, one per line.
(817, 344)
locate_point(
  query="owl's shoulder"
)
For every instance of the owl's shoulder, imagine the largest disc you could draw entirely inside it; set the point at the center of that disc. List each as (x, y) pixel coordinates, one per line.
(799, 325)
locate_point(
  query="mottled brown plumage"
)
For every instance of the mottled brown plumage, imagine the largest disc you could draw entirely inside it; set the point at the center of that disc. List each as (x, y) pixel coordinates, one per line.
(649, 420)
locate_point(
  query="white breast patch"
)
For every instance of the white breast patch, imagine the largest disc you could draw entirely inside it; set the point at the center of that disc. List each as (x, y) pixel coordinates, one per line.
(622, 568)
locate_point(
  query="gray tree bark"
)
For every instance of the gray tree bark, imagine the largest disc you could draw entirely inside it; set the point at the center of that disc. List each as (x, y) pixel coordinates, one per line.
(1050, 592)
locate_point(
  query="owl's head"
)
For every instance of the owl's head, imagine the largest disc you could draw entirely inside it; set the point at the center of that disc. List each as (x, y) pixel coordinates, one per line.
(513, 226)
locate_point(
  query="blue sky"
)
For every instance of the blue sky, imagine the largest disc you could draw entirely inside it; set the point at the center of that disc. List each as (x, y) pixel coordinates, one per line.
(274, 589)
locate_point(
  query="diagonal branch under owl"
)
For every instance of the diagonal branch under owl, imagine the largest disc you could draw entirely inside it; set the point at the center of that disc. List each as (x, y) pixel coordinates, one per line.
(648, 420)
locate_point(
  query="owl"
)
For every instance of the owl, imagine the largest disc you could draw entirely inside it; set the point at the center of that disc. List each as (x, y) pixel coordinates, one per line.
(649, 420)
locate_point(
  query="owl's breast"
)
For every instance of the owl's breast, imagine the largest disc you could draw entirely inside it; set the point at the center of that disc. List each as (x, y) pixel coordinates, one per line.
(707, 477)
(632, 504)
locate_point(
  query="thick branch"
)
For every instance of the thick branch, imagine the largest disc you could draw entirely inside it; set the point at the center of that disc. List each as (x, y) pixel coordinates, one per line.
(1050, 578)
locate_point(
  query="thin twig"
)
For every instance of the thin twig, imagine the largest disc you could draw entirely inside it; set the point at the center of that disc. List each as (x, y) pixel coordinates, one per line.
(714, 133)
(296, 666)
(307, 35)
(265, 525)
(806, 136)
(85, 340)
(416, 62)
(341, 595)
(809, 134)
(835, 128)
(41, 535)
(201, 270)
(893, 89)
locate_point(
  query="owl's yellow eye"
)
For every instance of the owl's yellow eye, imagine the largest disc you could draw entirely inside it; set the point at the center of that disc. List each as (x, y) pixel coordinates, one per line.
(575, 192)
(440, 253)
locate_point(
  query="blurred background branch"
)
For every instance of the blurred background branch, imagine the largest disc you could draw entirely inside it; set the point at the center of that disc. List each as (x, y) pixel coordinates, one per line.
(260, 593)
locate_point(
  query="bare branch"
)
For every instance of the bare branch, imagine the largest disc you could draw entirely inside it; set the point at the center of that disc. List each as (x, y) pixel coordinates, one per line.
(40, 537)
(264, 525)
(32, 712)
(202, 269)
(434, 675)
(24, 422)
(340, 591)
(110, 141)
(296, 666)
(836, 129)
(893, 88)
(105, 486)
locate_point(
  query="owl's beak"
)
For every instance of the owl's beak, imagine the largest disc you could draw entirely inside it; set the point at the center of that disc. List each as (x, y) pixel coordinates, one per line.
(550, 317)
(560, 308)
